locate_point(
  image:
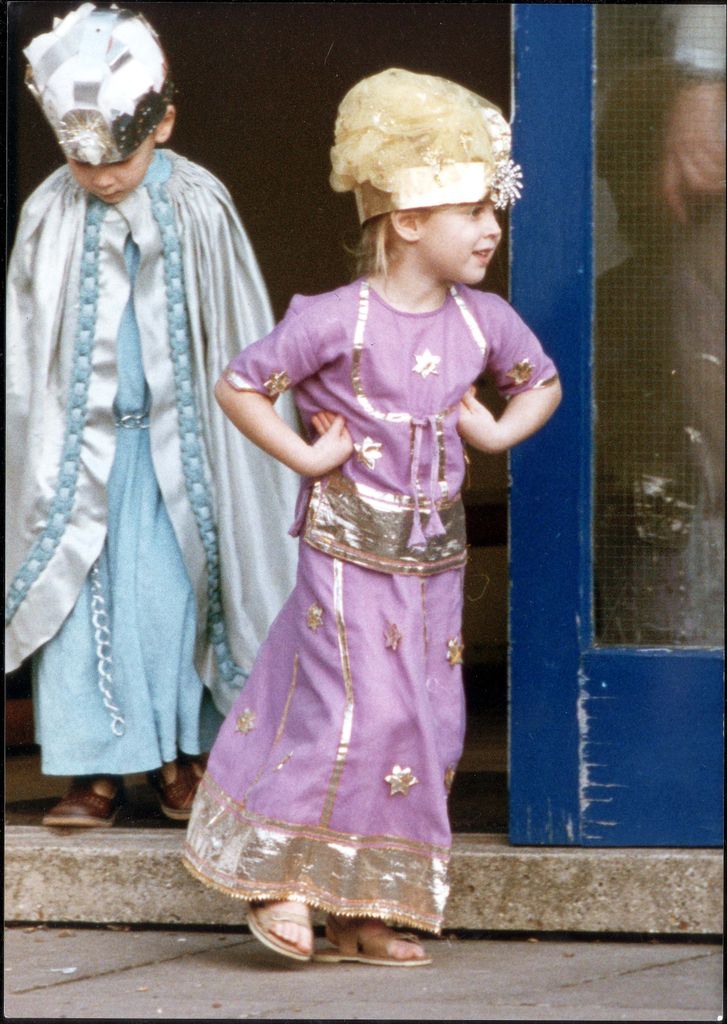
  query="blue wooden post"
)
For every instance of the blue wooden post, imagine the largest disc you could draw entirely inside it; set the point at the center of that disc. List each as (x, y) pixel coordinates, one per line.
(551, 288)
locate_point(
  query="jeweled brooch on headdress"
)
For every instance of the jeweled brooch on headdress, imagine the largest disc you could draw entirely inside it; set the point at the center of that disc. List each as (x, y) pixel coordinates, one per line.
(506, 187)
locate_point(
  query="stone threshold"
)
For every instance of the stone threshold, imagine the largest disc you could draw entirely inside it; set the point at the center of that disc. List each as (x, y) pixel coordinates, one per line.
(134, 876)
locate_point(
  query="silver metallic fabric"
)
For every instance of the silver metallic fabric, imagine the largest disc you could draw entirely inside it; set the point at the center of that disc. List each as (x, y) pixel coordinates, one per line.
(102, 81)
(403, 881)
(371, 528)
(253, 497)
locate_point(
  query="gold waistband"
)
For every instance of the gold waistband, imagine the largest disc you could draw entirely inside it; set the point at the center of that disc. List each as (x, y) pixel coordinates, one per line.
(371, 528)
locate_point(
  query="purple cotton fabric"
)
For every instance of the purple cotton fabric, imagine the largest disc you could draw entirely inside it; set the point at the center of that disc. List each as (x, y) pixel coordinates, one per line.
(408, 706)
(298, 775)
(312, 345)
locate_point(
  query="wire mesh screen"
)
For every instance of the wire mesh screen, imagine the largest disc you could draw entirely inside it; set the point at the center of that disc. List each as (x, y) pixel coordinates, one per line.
(659, 373)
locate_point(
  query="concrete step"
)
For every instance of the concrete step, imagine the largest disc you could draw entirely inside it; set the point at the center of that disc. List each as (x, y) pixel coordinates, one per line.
(134, 876)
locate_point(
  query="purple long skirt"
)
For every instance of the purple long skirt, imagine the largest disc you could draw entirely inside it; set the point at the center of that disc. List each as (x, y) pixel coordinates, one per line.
(328, 781)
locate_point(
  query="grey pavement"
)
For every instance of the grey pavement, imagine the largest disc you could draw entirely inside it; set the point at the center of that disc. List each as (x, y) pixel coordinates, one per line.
(83, 973)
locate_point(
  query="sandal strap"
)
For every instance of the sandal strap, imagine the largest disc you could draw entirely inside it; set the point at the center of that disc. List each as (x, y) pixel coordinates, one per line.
(81, 799)
(180, 792)
(89, 800)
(344, 934)
(279, 916)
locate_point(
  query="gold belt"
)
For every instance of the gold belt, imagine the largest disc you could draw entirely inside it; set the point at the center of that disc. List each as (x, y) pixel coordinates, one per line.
(371, 528)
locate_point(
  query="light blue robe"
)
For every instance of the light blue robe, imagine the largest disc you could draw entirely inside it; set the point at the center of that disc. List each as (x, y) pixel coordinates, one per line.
(151, 608)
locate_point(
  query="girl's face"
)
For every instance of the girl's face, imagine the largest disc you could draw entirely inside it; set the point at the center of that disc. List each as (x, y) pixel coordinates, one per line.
(114, 182)
(457, 243)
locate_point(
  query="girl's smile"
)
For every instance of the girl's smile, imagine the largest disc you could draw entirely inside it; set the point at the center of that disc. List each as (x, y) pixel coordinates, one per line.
(485, 255)
(458, 242)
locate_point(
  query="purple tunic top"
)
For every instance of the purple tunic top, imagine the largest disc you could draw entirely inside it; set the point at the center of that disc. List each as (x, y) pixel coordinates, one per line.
(397, 378)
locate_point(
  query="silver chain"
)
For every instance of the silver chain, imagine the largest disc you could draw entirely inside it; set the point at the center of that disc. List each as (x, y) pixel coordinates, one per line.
(102, 636)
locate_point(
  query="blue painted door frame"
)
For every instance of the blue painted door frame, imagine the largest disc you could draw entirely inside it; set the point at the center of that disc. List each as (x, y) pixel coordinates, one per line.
(608, 746)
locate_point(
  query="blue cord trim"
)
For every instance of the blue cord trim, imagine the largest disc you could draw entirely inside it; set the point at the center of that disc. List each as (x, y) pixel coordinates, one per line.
(61, 506)
(189, 434)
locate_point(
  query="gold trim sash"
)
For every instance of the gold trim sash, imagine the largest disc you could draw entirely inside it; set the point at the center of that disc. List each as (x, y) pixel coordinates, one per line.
(371, 528)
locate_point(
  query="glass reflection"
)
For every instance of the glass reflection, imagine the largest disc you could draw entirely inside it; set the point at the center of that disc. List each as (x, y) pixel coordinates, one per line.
(660, 244)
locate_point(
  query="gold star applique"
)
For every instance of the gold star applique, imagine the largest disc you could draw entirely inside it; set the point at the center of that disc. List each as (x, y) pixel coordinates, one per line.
(392, 636)
(245, 722)
(277, 383)
(449, 778)
(314, 617)
(368, 451)
(401, 780)
(521, 372)
(455, 650)
(426, 363)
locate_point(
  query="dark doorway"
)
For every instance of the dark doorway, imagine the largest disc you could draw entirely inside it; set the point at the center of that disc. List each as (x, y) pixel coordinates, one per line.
(258, 85)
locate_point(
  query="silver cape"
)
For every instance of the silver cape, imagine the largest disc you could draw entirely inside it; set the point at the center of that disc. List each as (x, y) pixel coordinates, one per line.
(252, 495)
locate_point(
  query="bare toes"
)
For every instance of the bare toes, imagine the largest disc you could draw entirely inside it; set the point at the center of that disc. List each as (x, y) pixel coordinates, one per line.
(293, 934)
(405, 950)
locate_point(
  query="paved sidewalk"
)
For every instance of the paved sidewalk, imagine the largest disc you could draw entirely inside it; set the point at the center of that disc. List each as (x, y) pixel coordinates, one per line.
(83, 973)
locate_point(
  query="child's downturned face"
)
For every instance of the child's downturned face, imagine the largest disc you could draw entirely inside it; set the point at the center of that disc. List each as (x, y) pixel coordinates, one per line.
(458, 242)
(114, 182)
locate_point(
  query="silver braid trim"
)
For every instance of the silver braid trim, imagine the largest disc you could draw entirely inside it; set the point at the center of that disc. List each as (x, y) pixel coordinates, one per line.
(102, 636)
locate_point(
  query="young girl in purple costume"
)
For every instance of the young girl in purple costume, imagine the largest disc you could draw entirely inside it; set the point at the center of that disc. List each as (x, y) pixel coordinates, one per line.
(327, 786)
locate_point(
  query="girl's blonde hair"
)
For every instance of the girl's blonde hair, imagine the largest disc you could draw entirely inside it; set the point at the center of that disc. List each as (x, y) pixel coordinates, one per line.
(375, 249)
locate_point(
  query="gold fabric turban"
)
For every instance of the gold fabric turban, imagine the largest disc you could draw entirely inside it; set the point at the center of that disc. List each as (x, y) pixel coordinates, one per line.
(404, 140)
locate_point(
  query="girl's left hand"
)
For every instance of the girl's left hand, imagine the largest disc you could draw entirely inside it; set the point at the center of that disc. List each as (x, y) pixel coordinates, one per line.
(524, 414)
(476, 425)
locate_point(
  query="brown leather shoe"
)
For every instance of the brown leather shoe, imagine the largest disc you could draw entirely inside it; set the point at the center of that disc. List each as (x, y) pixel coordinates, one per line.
(176, 795)
(84, 807)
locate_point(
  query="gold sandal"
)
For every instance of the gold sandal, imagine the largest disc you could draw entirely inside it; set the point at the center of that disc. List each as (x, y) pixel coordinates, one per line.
(259, 919)
(348, 946)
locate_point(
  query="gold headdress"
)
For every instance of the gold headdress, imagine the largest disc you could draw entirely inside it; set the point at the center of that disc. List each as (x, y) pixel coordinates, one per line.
(405, 140)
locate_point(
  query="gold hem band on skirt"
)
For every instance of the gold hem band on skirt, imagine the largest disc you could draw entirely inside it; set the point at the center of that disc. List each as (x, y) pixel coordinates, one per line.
(253, 859)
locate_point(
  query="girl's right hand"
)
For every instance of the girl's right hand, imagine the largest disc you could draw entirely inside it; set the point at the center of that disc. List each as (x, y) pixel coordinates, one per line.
(334, 445)
(254, 416)
(322, 421)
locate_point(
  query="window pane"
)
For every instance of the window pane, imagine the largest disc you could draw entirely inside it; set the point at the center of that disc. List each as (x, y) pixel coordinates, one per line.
(659, 374)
